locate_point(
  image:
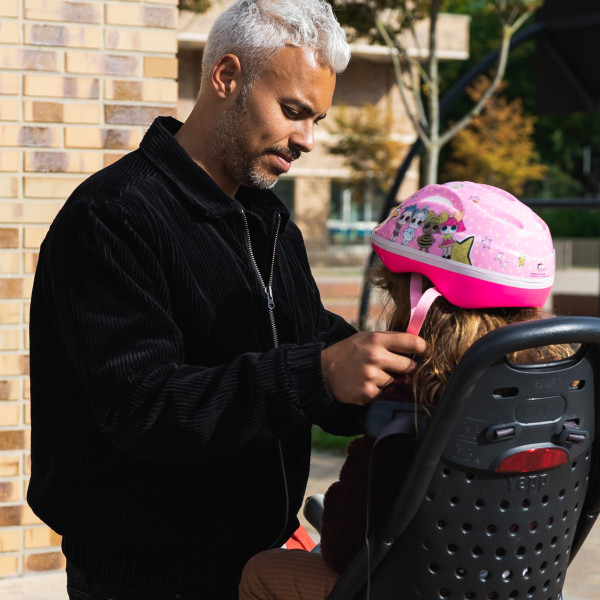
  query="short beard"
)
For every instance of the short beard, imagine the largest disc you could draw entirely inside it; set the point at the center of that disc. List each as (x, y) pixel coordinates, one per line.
(229, 148)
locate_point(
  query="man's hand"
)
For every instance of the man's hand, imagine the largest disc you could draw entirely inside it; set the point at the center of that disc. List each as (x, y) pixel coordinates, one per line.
(357, 368)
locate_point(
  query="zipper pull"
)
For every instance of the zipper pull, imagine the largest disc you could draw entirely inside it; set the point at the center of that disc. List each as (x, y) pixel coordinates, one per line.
(270, 300)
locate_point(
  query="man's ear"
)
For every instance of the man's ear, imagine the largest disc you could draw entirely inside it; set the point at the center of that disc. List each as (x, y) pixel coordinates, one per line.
(227, 76)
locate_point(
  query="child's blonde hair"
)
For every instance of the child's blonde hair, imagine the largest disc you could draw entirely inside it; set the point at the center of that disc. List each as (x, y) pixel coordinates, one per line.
(450, 331)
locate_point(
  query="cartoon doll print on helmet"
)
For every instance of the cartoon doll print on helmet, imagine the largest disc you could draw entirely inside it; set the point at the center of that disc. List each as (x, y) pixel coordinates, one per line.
(478, 244)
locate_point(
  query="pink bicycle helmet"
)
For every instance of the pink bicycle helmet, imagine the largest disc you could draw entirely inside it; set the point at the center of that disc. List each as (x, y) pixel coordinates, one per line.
(479, 246)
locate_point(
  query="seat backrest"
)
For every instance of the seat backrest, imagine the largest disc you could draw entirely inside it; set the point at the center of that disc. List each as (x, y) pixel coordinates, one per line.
(500, 494)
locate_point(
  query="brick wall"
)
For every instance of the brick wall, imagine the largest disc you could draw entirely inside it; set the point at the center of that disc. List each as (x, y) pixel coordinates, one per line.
(80, 81)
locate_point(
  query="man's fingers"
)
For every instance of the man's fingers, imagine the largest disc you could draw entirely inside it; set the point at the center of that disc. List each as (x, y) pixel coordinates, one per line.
(359, 367)
(404, 343)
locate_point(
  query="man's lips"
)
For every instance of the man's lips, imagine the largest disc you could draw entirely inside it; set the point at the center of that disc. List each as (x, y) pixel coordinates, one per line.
(284, 162)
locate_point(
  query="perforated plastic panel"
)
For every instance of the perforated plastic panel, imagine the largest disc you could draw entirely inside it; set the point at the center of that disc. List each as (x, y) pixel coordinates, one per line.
(513, 541)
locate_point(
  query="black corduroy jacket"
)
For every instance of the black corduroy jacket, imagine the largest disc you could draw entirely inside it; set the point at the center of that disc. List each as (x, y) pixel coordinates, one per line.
(170, 438)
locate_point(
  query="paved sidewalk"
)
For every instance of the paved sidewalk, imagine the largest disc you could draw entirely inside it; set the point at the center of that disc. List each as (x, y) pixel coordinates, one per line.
(583, 578)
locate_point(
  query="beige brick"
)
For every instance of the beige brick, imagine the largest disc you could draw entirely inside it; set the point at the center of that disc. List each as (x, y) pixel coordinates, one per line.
(170, 2)
(12, 439)
(27, 386)
(9, 237)
(9, 83)
(26, 463)
(63, 162)
(145, 16)
(28, 517)
(57, 112)
(10, 314)
(124, 90)
(30, 260)
(27, 411)
(28, 212)
(63, 35)
(86, 113)
(10, 414)
(101, 64)
(120, 114)
(9, 263)
(9, 187)
(9, 8)
(10, 540)
(53, 10)
(28, 59)
(110, 158)
(10, 339)
(9, 390)
(12, 364)
(15, 135)
(10, 491)
(9, 32)
(34, 236)
(61, 87)
(41, 537)
(9, 160)
(143, 40)
(82, 137)
(147, 91)
(155, 66)
(49, 561)
(9, 565)
(46, 162)
(46, 112)
(9, 465)
(50, 187)
(9, 110)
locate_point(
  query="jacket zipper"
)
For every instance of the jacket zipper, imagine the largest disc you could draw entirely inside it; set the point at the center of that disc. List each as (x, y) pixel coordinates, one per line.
(268, 290)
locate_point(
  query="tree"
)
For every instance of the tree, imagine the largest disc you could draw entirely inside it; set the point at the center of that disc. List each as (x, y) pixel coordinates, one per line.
(418, 76)
(198, 6)
(364, 143)
(497, 147)
(566, 143)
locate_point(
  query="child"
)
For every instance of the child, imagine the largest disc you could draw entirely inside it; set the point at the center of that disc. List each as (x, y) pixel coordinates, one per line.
(498, 270)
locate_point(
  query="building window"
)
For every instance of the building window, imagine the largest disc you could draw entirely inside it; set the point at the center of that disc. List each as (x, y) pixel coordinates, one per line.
(353, 214)
(285, 190)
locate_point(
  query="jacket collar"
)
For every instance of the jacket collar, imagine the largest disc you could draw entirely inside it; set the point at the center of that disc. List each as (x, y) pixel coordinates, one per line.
(164, 152)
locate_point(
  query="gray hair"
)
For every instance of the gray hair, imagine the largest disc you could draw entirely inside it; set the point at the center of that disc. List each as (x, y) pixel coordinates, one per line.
(254, 30)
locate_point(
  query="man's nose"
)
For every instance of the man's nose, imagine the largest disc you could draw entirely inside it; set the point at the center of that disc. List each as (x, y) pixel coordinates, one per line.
(303, 136)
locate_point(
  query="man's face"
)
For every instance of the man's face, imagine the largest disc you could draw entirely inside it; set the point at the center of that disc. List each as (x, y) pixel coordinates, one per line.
(270, 125)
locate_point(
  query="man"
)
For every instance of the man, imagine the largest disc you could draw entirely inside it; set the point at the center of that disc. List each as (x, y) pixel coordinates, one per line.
(179, 348)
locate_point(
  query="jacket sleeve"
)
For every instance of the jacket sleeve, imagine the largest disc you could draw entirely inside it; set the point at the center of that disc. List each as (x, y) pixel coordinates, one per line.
(110, 306)
(340, 419)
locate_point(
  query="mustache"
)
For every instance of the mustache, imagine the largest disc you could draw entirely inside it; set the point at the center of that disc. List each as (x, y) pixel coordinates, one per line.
(290, 153)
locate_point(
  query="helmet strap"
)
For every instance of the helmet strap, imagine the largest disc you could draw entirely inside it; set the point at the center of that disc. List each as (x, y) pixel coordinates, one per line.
(420, 303)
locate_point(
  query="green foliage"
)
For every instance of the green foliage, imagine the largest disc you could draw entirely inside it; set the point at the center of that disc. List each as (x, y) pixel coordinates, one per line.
(560, 140)
(364, 144)
(358, 16)
(571, 222)
(198, 6)
(321, 440)
(497, 147)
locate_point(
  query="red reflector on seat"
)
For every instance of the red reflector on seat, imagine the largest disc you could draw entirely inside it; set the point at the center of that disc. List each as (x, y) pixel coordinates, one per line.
(534, 459)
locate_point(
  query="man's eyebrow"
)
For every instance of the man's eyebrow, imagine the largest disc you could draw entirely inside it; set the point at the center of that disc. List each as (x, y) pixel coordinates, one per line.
(305, 108)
